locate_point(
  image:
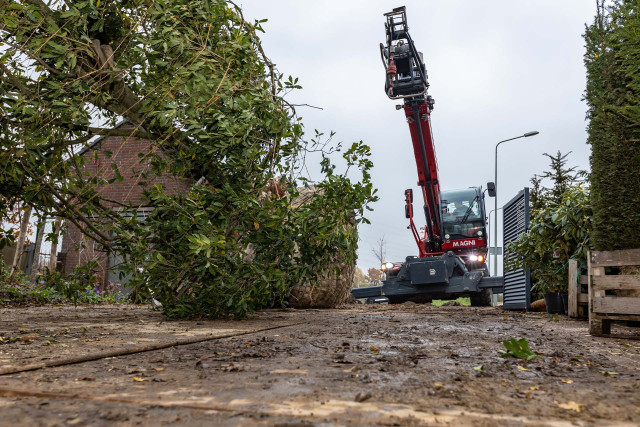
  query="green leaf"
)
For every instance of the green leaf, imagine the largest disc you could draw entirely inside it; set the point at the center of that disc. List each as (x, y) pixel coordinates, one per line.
(518, 349)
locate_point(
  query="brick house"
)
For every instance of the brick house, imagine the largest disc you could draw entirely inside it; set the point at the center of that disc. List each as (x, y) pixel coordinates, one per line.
(77, 249)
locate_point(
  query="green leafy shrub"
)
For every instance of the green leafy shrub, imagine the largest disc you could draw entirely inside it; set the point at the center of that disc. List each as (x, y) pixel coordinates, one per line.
(557, 232)
(220, 252)
(55, 288)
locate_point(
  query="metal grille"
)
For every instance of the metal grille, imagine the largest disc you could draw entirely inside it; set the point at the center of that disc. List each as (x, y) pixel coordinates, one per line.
(517, 283)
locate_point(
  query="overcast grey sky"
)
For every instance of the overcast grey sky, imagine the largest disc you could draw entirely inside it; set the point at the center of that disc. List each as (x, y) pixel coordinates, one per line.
(497, 69)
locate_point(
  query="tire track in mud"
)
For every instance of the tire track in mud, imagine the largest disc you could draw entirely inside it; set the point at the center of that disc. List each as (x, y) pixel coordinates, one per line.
(8, 370)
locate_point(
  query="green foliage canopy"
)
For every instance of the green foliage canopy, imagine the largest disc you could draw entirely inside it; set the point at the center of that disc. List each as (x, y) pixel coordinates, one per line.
(612, 59)
(192, 77)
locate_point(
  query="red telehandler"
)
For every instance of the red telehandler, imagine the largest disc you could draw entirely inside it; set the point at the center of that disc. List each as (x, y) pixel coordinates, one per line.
(452, 247)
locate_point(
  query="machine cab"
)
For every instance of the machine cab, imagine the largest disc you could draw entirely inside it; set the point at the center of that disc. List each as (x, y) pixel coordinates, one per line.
(463, 223)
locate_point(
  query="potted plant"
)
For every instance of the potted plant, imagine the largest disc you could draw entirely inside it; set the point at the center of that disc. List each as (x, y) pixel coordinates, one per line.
(552, 296)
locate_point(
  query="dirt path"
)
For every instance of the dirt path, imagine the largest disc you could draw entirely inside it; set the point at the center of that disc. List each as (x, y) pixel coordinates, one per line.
(365, 365)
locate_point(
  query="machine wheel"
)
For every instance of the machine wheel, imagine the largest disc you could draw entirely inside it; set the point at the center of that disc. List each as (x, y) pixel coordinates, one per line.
(481, 299)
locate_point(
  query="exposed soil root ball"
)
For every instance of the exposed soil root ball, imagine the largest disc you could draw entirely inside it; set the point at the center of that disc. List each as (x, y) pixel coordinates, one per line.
(328, 291)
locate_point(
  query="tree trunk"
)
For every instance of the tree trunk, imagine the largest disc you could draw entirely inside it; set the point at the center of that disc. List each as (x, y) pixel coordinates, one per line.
(53, 259)
(42, 222)
(20, 244)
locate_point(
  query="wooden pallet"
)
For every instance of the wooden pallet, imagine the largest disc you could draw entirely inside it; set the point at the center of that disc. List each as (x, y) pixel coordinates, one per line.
(604, 304)
(578, 292)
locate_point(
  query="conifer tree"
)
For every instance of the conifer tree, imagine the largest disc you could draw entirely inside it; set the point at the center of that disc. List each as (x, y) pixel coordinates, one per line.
(561, 176)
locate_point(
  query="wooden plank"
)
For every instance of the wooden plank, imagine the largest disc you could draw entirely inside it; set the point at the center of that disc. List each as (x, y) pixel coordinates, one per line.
(582, 310)
(574, 289)
(616, 282)
(615, 258)
(583, 299)
(589, 280)
(616, 305)
(596, 271)
(584, 279)
(619, 317)
(597, 326)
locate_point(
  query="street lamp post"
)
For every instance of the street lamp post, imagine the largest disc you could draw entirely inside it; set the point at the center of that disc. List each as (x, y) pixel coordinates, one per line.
(495, 224)
(489, 230)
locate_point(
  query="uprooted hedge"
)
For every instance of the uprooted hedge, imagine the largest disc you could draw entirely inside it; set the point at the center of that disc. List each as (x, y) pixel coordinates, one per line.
(192, 77)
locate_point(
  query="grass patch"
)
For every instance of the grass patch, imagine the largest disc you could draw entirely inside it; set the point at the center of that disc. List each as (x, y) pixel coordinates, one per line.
(462, 300)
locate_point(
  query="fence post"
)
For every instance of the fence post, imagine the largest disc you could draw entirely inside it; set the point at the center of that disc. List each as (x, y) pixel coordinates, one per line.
(573, 289)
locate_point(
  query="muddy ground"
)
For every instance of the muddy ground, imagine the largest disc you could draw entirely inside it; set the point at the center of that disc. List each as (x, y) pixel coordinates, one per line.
(360, 365)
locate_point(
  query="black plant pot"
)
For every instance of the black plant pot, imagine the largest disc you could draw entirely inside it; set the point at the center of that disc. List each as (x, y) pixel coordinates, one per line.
(553, 301)
(565, 302)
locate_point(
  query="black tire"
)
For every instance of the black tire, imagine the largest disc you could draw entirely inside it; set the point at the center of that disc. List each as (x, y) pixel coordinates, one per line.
(481, 299)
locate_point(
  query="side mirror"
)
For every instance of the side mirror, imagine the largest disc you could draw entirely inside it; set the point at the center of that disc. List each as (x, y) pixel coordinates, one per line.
(491, 189)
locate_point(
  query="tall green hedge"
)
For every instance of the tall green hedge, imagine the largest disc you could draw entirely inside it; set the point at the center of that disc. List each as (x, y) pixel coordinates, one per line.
(612, 94)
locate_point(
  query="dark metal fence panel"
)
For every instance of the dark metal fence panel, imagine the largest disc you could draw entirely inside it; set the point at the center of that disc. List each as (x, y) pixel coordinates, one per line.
(517, 283)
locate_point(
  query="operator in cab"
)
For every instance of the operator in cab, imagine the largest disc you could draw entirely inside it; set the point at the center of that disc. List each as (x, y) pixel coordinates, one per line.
(459, 209)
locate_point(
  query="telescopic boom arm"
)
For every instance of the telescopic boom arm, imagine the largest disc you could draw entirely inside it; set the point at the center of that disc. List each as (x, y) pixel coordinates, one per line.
(406, 79)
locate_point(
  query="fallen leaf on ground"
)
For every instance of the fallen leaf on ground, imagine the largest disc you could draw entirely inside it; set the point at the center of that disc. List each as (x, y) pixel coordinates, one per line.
(566, 381)
(522, 368)
(518, 349)
(479, 368)
(138, 379)
(362, 396)
(374, 348)
(609, 373)
(571, 405)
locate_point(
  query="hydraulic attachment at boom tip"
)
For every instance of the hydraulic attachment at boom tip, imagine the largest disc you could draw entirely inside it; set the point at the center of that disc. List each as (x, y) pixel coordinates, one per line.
(406, 72)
